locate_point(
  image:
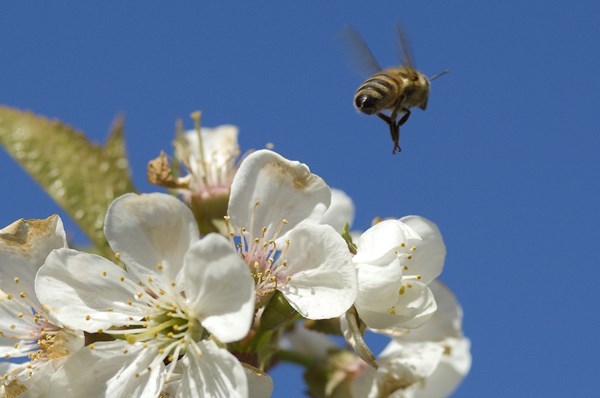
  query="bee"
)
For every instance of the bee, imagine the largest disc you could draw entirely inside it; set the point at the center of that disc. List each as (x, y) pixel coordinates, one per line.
(395, 89)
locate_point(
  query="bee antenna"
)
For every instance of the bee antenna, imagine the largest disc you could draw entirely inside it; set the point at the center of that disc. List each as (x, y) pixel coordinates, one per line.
(439, 74)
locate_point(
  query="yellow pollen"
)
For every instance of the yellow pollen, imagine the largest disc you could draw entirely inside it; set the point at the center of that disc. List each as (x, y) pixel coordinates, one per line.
(150, 279)
(402, 244)
(20, 315)
(129, 302)
(12, 326)
(419, 277)
(122, 279)
(410, 256)
(405, 268)
(100, 331)
(171, 358)
(413, 248)
(16, 279)
(408, 285)
(104, 273)
(91, 346)
(159, 266)
(118, 256)
(140, 295)
(9, 296)
(161, 292)
(392, 311)
(402, 289)
(23, 295)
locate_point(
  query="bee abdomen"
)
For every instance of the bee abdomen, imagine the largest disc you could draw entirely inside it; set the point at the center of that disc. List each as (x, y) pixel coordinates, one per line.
(377, 93)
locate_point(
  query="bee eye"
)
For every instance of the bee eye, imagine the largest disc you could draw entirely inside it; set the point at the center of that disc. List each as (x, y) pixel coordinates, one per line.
(365, 103)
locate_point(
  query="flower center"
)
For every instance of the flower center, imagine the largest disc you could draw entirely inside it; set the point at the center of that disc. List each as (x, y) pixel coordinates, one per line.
(35, 337)
(265, 255)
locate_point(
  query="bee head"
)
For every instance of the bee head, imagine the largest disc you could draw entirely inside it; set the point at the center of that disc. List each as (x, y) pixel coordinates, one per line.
(366, 104)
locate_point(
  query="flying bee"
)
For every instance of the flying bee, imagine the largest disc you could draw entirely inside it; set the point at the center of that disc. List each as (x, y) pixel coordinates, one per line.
(395, 89)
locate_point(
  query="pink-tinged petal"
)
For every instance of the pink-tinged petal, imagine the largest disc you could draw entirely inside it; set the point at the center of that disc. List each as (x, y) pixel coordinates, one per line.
(415, 305)
(113, 369)
(211, 372)
(322, 279)
(24, 246)
(219, 288)
(430, 254)
(284, 189)
(88, 292)
(378, 285)
(150, 229)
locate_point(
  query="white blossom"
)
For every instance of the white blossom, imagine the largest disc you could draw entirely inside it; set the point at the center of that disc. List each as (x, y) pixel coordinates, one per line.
(395, 261)
(428, 362)
(274, 210)
(29, 335)
(177, 291)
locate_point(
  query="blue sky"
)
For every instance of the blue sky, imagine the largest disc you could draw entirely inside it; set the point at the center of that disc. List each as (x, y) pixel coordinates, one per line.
(505, 158)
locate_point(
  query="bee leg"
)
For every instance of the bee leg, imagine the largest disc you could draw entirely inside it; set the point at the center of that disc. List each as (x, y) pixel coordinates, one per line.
(393, 129)
(404, 117)
(385, 118)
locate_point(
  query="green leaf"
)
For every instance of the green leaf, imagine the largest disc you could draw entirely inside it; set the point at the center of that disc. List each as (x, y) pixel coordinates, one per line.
(81, 176)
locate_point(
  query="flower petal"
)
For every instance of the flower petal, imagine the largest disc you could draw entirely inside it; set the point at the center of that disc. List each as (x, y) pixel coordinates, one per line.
(445, 322)
(260, 384)
(413, 307)
(378, 285)
(453, 367)
(381, 240)
(150, 229)
(428, 258)
(113, 369)
(286, 190)
(24, 246)
(219, 288)
(322, 279)
(85, 291)
(340, 212)
(210, 371)
(409, 363)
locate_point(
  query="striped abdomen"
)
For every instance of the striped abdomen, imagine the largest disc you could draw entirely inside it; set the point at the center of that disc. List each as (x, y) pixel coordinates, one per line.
(379, 92)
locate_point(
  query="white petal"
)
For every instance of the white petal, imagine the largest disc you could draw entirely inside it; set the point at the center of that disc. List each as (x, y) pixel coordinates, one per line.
(219, 288)
(445, 322)
(285, 190)
(150, 229)
(24, 245)
(428, 259)
(212, 372)
(414, 307)
(378, 285)
(409, 363)
(260, 384)
(220, 147)
(113, 369)
(381, 240)
(452, 368)
(340, 212)
(323, 279)
(74, 285)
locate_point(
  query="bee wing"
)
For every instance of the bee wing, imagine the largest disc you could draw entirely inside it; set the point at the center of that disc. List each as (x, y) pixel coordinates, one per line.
(404, 51)
(359, 51)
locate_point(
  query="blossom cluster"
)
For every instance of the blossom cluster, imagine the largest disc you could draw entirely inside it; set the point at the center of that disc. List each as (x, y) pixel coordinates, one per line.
(198, 305)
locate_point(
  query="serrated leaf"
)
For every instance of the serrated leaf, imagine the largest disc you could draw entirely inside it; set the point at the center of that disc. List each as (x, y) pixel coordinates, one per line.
(81, 176)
